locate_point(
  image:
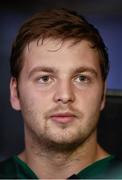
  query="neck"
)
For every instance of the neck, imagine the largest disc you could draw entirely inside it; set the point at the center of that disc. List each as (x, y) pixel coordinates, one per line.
(54, 165)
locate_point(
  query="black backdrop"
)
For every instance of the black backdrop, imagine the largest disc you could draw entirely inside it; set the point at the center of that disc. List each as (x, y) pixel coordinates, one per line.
(110, 124)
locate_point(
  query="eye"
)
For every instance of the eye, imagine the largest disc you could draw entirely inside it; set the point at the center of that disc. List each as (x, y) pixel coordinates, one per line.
(45, 79)
(82, 78)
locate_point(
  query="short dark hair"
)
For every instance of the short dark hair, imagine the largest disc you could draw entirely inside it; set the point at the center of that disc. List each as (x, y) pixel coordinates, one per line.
(61, 24)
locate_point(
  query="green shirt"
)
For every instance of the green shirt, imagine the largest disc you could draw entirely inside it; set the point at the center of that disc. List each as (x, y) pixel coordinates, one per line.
(107, 168)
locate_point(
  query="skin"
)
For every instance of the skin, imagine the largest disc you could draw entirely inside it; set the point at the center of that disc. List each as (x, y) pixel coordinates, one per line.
(60, 92)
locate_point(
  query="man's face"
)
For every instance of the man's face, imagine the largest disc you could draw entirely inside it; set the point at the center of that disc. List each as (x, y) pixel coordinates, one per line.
(60, 92)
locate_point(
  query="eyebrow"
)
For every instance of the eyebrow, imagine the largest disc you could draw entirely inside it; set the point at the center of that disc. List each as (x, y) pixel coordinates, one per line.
(54, 70)
(86, 69)
(43, 69)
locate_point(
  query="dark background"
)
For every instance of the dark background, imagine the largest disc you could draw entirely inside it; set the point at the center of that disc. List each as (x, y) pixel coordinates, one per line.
(107, 17)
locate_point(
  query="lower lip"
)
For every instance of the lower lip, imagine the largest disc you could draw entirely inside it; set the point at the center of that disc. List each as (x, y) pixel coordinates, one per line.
(63, 119)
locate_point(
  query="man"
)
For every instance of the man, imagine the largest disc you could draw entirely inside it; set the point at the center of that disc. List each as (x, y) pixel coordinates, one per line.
(59, 65)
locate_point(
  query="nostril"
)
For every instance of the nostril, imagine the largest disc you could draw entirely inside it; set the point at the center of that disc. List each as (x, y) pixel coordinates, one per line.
(64, 100)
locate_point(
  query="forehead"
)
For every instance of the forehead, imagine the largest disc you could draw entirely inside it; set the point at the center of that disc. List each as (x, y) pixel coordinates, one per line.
(54, 45)
(60, 54)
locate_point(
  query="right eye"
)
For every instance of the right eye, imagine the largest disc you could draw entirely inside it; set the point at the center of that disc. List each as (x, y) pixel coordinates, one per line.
(45, 79)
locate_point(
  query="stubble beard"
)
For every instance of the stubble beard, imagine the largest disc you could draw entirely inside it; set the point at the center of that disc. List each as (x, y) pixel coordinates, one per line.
(45, 143)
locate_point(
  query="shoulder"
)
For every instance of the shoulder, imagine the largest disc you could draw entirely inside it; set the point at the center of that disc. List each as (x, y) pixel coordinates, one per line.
(107, 168)
(114, 169)
(7, 168)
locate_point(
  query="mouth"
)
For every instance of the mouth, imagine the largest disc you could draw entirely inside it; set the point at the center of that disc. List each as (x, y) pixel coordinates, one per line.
(63, 117)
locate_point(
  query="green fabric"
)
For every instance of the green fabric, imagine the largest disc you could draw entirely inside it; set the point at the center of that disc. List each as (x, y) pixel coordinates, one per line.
(107, 168)
(24, 171)
(100, 169)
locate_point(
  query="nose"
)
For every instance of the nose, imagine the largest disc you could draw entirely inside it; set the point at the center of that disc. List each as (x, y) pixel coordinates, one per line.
(64, 92)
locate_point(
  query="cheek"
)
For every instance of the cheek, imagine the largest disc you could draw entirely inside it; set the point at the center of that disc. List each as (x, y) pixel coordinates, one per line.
(90, 99)
(35, 101)
(90, 107)
(33, 110)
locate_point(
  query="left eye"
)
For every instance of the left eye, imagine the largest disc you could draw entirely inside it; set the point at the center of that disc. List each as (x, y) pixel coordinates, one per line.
(82, 78)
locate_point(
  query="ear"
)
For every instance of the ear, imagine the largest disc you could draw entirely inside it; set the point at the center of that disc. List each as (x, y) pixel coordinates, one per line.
(14, 97)
(103, 100)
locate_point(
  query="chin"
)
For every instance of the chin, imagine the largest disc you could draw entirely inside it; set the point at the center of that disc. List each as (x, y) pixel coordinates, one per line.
(63, 146)
(64, 142)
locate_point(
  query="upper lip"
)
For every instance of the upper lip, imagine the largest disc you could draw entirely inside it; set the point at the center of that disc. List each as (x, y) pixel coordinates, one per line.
(63, 114)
